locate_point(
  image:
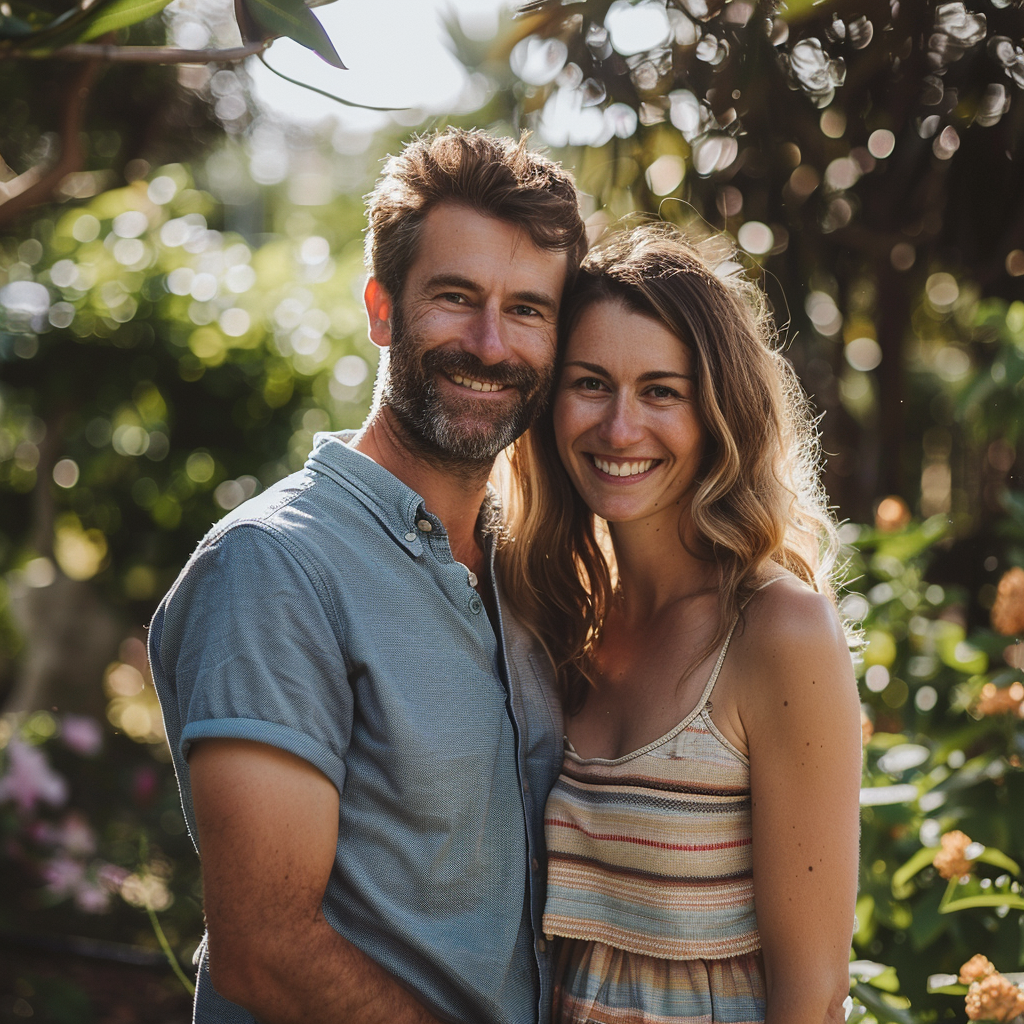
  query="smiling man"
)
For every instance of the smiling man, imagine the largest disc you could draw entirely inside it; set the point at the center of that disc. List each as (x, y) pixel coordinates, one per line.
(363, 741)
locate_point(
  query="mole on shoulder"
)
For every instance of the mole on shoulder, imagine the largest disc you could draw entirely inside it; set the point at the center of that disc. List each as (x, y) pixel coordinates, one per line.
(785, 703)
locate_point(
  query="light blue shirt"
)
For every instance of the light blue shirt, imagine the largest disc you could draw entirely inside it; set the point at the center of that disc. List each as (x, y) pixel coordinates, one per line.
(328, 617)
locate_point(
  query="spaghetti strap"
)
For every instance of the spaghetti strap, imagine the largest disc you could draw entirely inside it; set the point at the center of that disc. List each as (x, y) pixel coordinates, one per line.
(701, 704)
(705, 696)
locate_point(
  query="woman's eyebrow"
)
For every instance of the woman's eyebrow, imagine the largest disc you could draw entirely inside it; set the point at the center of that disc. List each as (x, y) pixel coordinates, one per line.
(649, 375)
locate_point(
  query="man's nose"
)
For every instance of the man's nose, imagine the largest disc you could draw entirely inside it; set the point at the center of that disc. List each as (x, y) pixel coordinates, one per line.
(622, 424)
(487, 336)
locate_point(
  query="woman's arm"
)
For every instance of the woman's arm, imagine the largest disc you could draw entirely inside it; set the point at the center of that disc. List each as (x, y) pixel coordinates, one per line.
(801, 715)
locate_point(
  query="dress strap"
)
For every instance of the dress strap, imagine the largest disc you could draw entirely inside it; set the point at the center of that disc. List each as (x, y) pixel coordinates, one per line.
(704, 697)
(718, 668)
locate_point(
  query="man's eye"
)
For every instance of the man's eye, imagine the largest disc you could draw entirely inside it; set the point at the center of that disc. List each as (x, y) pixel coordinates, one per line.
(525, 311)
(454, 297)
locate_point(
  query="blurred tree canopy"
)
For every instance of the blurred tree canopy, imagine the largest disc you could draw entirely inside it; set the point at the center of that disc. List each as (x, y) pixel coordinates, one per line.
(85, 100)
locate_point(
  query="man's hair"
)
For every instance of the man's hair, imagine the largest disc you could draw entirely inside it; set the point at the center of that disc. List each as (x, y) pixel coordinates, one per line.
(758, 497)
(498, 177)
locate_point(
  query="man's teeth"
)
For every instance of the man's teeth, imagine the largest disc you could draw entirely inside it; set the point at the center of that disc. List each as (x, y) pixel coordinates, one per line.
(623, 468)
(476, 385)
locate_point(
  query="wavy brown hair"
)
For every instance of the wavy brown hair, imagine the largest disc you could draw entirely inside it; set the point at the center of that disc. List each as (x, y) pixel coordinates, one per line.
(758, 500)
(499, 177)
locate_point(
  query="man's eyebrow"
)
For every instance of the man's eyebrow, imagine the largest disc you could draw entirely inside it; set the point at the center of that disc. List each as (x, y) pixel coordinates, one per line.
(650, 375)
(548, 302)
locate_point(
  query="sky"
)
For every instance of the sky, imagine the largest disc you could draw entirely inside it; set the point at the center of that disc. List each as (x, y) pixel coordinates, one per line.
(396, 56)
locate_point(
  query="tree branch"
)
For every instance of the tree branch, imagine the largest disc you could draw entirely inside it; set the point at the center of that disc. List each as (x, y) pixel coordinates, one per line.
(110, 53)
(71, 156)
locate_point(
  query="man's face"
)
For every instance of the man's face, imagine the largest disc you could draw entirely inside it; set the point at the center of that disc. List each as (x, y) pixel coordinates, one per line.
(473, 337)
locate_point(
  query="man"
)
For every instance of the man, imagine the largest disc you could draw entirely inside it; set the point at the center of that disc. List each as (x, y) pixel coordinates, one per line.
(363, 743)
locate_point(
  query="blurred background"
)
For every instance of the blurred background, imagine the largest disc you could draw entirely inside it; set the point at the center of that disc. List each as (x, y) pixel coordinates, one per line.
(180, 311)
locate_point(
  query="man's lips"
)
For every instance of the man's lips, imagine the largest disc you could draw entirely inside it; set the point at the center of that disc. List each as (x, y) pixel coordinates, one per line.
(622, 468)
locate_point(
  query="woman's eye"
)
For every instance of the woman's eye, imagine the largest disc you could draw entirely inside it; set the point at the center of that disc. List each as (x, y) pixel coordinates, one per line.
(659, 391)
(590, 384)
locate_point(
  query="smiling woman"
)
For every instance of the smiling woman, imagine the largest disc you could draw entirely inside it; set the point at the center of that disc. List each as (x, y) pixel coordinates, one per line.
(678, 423)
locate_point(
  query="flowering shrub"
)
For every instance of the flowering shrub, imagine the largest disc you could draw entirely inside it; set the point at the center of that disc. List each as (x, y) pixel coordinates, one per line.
(92, 839)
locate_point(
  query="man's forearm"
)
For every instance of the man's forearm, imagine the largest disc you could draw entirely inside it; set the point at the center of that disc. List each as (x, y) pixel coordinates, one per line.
(318, 975)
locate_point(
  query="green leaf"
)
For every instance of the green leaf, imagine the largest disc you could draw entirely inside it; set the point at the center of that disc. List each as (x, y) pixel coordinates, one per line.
(993, 899)
(901, 877)
(120, 14)
(877, 1003)
(294, 19)
(998, 859)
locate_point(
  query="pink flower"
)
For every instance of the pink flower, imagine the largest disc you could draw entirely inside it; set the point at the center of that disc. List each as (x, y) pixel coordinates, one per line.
(63, 875)
(76, 835)
(30, 778)
(111, 877)
(92, 899)
(82, 734)
(144, 785)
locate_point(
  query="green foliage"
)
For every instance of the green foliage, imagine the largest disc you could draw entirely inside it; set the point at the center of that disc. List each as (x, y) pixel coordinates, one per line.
(294, 19)
(157, 371)
(120, 14)
(939, 759)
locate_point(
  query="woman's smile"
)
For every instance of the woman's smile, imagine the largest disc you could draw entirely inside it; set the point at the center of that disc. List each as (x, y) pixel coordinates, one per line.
(625, 417)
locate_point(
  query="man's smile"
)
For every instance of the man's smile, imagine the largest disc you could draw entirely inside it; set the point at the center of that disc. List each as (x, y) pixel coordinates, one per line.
(475, 385)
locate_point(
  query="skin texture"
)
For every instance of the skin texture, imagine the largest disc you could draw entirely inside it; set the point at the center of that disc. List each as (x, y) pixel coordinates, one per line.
(786, 695)
(479, 294)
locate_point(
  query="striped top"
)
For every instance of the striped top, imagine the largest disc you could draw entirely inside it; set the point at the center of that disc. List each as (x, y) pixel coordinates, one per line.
(651, 852)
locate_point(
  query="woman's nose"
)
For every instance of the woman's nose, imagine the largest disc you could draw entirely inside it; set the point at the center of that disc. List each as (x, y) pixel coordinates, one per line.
(622, 424)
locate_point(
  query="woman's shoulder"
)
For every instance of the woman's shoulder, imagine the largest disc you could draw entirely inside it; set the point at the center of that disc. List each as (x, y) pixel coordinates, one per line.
(791, 638)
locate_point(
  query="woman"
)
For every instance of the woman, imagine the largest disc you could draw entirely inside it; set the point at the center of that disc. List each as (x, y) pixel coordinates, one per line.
(703, 835)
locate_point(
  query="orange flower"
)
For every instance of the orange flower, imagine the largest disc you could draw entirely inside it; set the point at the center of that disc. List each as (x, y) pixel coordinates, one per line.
(1000, 701)
(994, 998)
(976, 968)
(867, 728)
(1008, 611)
(950, 861)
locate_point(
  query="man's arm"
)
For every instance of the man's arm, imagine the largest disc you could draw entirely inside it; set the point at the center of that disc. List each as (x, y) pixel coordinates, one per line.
(268, 832)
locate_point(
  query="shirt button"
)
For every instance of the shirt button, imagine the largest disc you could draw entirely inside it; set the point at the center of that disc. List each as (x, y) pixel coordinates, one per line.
(541, 946)
(410, 536)
(472, 578)
(476, 606)
(425, 525)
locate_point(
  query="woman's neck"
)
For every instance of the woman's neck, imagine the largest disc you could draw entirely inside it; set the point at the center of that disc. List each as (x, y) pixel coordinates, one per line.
(656, 569)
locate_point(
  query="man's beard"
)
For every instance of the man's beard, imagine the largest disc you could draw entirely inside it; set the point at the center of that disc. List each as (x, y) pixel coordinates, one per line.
(439, 425)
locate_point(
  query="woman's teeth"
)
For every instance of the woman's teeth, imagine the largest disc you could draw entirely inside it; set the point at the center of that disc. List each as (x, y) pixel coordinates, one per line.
(623, 468)
(476, 385)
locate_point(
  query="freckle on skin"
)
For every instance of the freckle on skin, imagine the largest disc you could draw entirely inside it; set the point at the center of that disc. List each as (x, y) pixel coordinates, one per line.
(785, 703)
(809, 868)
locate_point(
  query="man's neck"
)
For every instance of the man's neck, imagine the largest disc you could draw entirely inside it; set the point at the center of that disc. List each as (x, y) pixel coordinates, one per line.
(452, 491)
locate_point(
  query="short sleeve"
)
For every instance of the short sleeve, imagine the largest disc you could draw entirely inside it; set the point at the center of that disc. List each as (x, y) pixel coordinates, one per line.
(248, 647)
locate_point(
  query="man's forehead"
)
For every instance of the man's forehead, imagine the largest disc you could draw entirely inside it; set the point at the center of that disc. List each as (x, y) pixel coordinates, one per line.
(455, 235)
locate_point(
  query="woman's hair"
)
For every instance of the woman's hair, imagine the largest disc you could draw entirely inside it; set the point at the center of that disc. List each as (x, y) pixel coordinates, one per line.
(758, 498)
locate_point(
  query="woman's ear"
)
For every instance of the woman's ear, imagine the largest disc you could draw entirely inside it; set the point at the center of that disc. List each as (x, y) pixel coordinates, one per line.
(378, 312)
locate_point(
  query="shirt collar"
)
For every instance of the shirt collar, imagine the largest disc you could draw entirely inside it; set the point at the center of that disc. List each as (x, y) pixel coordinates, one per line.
(398, 508)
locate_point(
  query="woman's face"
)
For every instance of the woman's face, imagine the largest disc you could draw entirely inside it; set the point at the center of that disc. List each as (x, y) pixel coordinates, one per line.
(625, 416)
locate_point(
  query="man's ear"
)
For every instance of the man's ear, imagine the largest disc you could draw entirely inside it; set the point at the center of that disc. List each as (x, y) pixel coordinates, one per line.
(378, 311)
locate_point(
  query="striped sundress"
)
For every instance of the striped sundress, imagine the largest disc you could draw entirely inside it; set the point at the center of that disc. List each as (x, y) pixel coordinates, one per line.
(650, 882)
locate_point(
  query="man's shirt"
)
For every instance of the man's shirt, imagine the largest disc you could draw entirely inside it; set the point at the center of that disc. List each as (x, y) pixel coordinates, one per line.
(328, 617)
